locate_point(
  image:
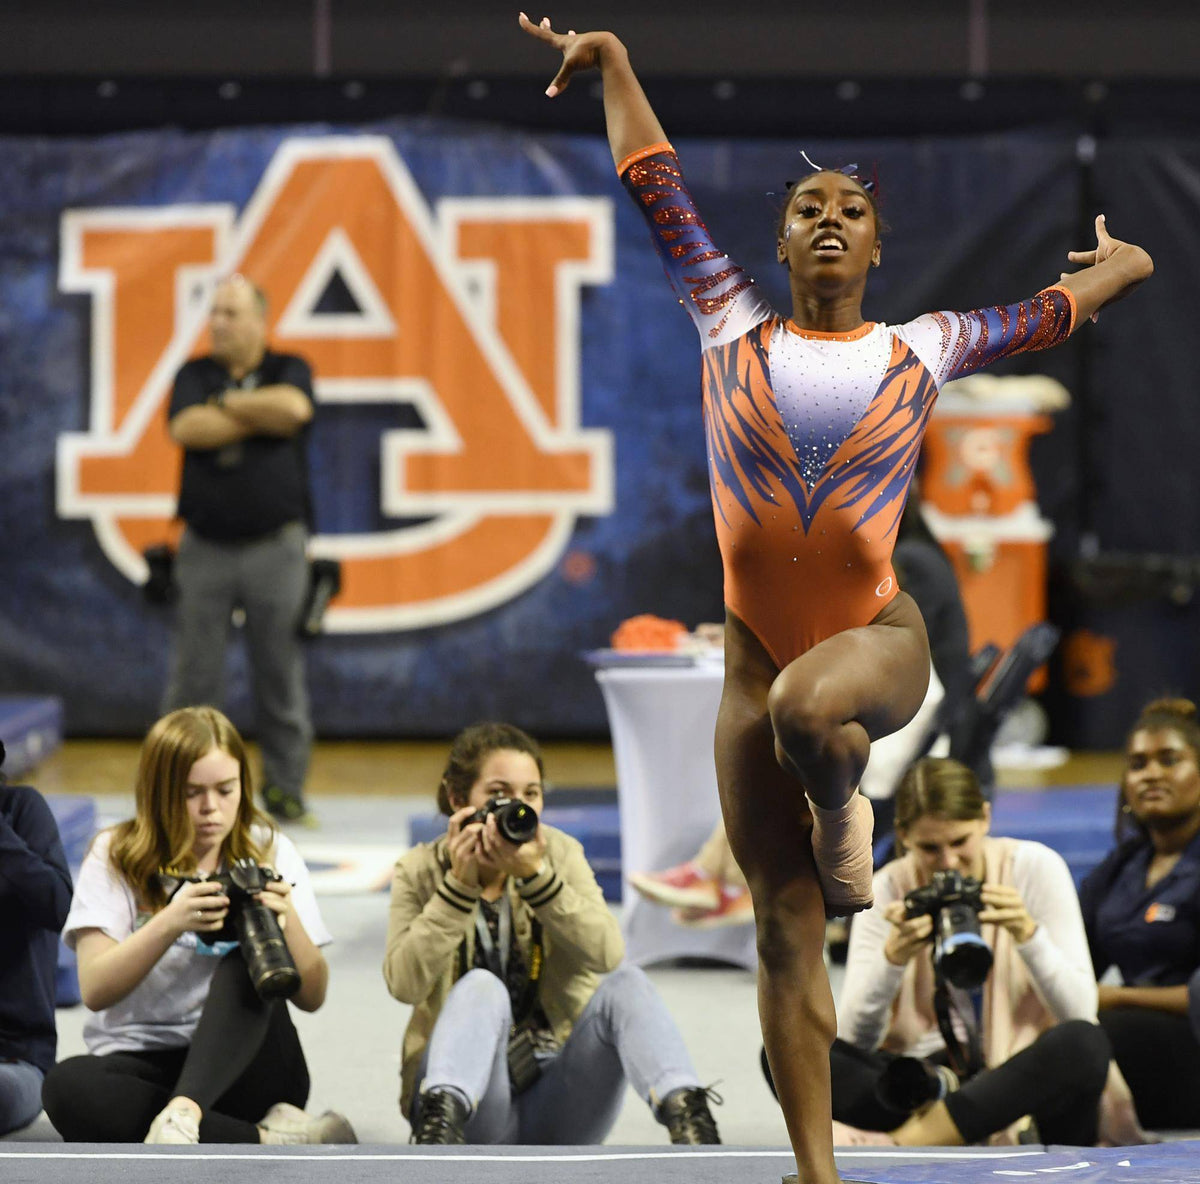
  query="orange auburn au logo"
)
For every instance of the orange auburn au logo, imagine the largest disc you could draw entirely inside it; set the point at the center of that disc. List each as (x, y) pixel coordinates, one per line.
(471, 314)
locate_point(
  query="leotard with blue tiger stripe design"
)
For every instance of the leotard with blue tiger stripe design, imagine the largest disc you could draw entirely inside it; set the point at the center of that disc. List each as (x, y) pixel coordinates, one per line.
(813, 437)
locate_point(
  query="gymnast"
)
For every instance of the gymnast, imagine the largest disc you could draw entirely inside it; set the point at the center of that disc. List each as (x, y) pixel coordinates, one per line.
(813, 424)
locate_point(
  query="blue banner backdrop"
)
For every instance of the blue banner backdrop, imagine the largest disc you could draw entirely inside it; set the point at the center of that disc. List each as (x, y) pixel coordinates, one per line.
(973, 221)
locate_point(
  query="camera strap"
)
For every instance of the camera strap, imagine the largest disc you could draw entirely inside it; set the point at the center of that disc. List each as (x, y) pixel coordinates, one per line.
(497, 960)
(968, 1061)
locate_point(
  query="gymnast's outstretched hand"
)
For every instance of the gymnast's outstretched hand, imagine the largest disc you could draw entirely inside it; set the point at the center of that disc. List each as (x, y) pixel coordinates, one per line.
(1111, 271)
(628, 116)
(581, 51)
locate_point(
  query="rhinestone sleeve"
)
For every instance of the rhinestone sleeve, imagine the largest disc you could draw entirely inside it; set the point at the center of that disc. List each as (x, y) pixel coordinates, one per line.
(716, 292)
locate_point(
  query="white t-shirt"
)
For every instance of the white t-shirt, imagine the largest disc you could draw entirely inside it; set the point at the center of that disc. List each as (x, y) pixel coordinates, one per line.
(163, 1009)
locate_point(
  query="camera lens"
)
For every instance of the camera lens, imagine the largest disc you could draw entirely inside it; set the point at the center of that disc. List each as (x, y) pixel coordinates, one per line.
(959, 952)
(516, 822)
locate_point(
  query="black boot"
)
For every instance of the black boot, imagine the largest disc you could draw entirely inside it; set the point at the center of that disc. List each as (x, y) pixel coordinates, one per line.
(442, 1115)
(286, 807)
(685, 1114)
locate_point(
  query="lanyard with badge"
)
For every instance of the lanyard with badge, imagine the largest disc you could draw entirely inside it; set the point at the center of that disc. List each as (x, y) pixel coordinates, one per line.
(523, 1066)
(497, 960)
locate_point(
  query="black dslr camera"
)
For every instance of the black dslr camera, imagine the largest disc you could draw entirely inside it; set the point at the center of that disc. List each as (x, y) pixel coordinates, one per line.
(254, 927)
(953, 900)
(516, 821)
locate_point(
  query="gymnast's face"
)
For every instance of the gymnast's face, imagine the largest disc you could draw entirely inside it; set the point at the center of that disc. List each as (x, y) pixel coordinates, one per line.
(946, 844)
(1162, 779)
(829, 234)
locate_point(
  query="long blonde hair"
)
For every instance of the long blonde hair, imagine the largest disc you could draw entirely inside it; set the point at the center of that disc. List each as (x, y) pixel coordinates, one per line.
(161, 835)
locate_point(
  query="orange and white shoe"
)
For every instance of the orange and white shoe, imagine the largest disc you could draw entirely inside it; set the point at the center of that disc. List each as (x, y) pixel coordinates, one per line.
(684, 887)
(736, 908)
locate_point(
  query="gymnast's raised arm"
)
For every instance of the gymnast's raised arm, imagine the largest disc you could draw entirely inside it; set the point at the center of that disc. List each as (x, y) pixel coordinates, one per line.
(628, 115)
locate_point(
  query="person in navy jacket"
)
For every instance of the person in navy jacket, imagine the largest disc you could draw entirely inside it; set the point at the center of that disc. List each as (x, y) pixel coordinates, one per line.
(1141, 909)
(35, 895)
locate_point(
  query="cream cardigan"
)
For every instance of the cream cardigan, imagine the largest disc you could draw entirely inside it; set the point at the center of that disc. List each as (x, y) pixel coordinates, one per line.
(1031, 987)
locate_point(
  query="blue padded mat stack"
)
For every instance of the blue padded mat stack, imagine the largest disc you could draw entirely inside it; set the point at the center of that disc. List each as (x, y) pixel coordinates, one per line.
(76, 819)
(589, 815)
(1076, 821)
(31, 727)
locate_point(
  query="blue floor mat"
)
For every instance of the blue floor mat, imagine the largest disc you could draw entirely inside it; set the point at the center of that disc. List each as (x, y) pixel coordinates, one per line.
(1167, 1163)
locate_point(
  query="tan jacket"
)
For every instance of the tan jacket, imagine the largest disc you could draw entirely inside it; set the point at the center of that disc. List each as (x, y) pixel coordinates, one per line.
(433, 913)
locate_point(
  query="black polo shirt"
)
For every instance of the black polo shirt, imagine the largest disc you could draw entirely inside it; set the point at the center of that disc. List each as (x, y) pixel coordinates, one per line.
(1151, 934)
(248, 489)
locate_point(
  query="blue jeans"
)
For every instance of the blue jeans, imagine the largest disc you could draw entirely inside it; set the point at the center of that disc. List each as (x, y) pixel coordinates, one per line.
(20, 1095)
(624, 1034)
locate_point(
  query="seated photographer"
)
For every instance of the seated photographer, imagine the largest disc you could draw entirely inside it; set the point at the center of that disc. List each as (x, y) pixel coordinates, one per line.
(499, 943)
(35, 894)
(191, 1040)
(1141, 908)
(987, 932)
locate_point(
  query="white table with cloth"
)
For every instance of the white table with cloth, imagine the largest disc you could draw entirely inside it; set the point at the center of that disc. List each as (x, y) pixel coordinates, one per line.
(662, 713)
(662, 718)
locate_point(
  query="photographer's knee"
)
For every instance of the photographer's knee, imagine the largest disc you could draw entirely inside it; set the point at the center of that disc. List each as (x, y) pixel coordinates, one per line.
(485, 994)
(1084, 1046)
(627, 987)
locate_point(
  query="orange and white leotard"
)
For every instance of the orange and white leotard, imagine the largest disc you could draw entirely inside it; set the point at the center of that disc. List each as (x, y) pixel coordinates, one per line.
(813, 437)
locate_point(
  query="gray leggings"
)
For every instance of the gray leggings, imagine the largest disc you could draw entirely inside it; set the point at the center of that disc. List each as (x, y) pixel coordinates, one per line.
(625, 1033)
(268, 578)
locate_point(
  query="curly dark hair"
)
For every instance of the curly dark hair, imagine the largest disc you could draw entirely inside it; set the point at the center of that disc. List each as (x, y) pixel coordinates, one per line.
(471, 747)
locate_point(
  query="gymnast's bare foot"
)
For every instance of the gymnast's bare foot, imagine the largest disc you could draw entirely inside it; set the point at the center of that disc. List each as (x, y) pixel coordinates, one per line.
(841, 843)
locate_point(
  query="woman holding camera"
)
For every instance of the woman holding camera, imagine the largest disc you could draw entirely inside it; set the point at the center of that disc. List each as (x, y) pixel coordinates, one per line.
(181, 1048)
(500, 945)
(1141, 907)
(1024, 1041)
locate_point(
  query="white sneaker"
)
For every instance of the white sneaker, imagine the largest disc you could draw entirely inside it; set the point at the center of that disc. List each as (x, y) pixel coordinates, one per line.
(174, 1125)
(285, 1123)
